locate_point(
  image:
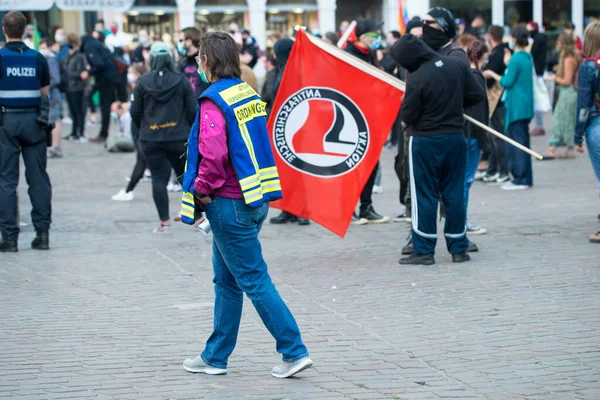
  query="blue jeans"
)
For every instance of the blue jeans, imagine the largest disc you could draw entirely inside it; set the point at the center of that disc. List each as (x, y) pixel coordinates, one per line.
(473, 158)
(592, 138)
(239, 268)
(519, 162)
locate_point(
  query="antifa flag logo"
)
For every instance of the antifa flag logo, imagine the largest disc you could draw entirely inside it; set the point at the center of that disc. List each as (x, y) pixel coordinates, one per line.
(321, 132)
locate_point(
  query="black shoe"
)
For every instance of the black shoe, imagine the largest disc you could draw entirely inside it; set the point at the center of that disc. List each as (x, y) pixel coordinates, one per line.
(303, 221)
(283, 218)
(409, 248)
(461, 257)
(372, 217)
(472, 247)
(9, 245)
(418, 259)
(41, 241)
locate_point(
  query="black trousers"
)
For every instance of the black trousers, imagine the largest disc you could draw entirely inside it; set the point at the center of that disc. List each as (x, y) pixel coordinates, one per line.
(498, 163)
(138, 170)
(401, 168)
(77, 107)
(20, 134)
(366, 197)
(107, 97)
(161, 157)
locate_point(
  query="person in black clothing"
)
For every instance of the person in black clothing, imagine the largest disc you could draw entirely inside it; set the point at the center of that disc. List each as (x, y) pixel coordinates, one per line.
(75, 64)
(539, 50)
(282, 50)
(163, 108)
(497, 171)
(143, 47)
(267, 89)
(250, 47)
(476, 27)
(107, 77)
(438, 91)
(368, 39)
(187, 64)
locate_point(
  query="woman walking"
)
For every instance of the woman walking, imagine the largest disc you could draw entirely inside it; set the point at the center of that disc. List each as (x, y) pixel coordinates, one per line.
(163, 108)
(588, 101)
(234, 181)
(76, 66)
(518, 85)
(563, 119)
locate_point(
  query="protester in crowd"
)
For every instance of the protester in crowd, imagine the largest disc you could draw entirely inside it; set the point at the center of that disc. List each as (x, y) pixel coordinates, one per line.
(331, 38)
(142, 52)
(497, 171)
(569, 29)
(563, 118)
(368, 39)
(247, 72)
(267, 89)
(587, 125)
(518, 85)
(234, 30)
(415, 27)
(465, 41)
(101, 28)
(140, 170)
(461, 26)
(343, 27)
(187, 64)
(249, 47)
(28, 35)
(282, 50)
(236, 220)
(477, 138)
(390, 66)
(539, 52)
(60, 39)
(163, 108)
(76, 66)
(476, 27)
(106, 76)
(438, 90)
(121, 139)
(55, 97)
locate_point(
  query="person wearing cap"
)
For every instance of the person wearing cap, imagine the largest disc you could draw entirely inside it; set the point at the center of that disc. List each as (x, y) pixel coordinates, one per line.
(163, 108)
(368, 39)
(415, 27)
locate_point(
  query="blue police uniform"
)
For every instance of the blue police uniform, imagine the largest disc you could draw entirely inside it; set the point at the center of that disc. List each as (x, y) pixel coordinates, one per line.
(23, 73)
(251, 154)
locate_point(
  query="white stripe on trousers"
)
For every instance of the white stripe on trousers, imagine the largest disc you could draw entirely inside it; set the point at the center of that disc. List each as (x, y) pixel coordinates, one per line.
(413, 200)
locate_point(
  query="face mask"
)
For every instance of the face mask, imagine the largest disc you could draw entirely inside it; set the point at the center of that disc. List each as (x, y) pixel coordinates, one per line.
(114, 115)
(511, 44)
(143, 39)
(44, 52)
(434, 38)
(100, 30)
(376, 43)
(113, 30)
(181, 48)
(131, 78)
(389, 43)
(203, 77)
(59, 38)
(316, 32)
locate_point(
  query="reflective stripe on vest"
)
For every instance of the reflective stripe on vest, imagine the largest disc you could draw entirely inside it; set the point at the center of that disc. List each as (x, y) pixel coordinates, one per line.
(19, 94)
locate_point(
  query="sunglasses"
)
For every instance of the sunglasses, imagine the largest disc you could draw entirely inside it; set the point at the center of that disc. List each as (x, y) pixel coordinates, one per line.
(440, 22)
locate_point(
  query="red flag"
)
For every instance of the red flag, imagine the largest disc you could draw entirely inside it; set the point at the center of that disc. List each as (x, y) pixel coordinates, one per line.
(330, 120)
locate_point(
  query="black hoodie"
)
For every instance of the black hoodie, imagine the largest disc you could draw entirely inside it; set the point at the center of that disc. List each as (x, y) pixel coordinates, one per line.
(163, 107)
(282, 50)
(438, 91)
(100, 60)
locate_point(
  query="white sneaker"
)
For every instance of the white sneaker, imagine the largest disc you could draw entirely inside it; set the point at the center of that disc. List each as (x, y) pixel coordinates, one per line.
(377, 189)
(475, 230)
(198, 366)
(285, 370)
(123, 196)
(479, 175)
(176, 187)
(83, 139)
(490, 178)
(67, 120)
(512, 186)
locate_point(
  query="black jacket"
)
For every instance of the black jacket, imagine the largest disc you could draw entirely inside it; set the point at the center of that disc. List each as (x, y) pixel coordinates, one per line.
(100, 60)
(74, 64)
(481, 112)
(496, 63)
(539, 50)
(163, 107)
(282, 50)
(188, 67)
(267, 90)
(438, 91)
(368, 57)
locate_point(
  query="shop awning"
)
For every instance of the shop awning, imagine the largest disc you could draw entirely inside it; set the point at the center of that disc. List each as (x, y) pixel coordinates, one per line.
(67, 5)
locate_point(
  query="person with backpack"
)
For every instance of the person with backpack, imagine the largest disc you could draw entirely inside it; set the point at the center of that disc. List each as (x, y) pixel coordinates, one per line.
(55, 97)
(587, 125)
(189, 45)
(75, 68)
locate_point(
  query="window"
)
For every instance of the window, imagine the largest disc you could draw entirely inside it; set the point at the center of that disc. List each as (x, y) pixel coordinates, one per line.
(467, 9)
(591, 11)
(518, 11)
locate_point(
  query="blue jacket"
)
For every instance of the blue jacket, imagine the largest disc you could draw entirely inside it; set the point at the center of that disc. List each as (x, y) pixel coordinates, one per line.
(588, 97)
(250, 149)
(19, 86)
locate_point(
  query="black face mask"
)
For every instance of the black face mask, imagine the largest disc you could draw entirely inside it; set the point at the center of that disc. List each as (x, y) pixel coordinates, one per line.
(434, 38)
(532, 34)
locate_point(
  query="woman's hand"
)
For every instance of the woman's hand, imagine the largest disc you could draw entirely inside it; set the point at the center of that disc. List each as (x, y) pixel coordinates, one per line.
(579, 148)
(84, 75)
(489, 74)
(204, 200)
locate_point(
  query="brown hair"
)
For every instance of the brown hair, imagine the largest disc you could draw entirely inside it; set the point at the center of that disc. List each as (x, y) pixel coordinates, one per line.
(465, 41)
(591, 40)
(73, 39)
(193, 34)
(476, 51)
(47, 42)
(140, 68)
(14, 24)
(567, 49)
(496, 32)
(222, 55)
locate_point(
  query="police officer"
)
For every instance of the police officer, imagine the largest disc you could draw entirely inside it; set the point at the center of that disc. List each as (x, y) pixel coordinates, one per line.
(24, 86)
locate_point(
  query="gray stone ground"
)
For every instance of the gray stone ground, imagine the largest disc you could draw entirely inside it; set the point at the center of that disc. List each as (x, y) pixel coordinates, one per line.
(112, 310)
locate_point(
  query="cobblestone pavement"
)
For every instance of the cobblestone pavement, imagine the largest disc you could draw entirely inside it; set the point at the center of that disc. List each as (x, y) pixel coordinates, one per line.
(112, 310)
